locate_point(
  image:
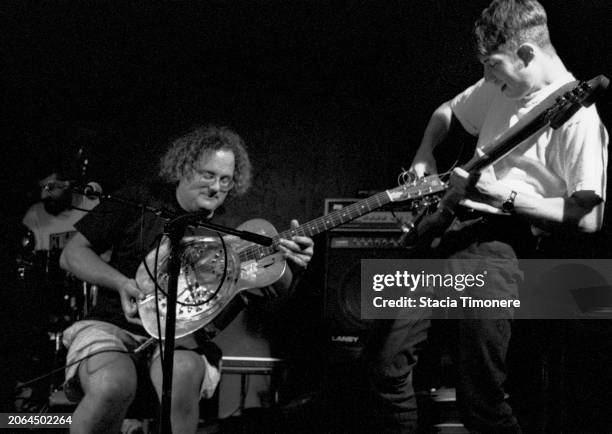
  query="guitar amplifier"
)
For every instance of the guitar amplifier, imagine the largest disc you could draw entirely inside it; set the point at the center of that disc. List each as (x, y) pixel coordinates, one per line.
(342, 290)
(388, 218)
(375, 235)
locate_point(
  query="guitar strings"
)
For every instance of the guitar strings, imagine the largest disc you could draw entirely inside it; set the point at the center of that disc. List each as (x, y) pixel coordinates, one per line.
(256, 252)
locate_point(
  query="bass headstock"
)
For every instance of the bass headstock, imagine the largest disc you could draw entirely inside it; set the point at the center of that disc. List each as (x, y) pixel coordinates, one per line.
(583, 94)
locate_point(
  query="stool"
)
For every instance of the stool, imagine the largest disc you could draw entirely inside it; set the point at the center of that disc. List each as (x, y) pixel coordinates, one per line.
(245, 367)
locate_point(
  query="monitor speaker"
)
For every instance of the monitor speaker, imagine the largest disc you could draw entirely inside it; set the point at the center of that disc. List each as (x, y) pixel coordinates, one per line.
(342, 296)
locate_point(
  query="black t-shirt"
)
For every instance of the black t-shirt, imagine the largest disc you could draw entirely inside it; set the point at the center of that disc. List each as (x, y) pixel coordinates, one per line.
(132, 232)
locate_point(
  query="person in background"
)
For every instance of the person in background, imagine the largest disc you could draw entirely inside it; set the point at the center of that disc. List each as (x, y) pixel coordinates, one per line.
(52, 219)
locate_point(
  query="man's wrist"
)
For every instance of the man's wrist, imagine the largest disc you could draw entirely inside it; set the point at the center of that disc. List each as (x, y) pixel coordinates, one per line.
(122, 283)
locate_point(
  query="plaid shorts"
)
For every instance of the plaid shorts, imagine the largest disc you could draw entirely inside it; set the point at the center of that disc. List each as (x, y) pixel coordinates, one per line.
(86, 337)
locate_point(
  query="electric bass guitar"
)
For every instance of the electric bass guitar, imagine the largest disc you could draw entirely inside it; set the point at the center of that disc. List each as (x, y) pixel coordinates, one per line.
(552, 112)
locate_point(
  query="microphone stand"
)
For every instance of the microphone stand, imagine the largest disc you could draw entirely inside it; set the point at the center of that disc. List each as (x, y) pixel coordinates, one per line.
(174, 228)
(195, 219)
(175, 232)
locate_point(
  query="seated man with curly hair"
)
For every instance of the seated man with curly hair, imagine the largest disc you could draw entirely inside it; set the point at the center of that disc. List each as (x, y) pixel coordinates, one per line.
(198, 173)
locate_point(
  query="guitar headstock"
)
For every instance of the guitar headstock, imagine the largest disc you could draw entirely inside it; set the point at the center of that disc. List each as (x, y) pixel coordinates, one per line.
(582, 95)
(417, 188)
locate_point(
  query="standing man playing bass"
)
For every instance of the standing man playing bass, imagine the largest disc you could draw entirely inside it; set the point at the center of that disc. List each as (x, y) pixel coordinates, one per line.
(198, 173)
(555, 180)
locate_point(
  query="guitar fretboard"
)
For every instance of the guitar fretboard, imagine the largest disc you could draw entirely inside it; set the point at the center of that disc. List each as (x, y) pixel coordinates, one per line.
(320, 224)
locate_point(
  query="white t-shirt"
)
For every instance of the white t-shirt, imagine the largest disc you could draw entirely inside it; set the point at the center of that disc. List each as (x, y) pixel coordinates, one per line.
(53, 232)
(551, 163)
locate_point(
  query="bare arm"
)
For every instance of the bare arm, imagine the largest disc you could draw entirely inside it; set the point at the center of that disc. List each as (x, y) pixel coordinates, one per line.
(80, 259)
(579, 212)
(436, 131)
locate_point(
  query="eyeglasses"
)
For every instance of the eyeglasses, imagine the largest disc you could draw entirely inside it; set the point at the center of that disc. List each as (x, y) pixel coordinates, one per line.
(209, 178)
(52, 185)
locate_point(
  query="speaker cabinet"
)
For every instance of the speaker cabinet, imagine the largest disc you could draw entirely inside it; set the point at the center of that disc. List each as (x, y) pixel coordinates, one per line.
(342, 296)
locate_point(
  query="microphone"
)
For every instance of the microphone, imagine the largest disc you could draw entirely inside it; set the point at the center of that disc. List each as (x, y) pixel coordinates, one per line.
(91, 190)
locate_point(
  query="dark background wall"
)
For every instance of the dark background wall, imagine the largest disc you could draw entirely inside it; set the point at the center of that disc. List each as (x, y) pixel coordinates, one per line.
(331, 97)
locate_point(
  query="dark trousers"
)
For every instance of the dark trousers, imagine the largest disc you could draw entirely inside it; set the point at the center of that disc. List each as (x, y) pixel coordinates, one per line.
(479, 349)
(479, 346)
(390, 355)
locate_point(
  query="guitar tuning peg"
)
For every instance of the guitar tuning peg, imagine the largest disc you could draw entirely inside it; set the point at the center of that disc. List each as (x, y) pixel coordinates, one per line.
(574, 97)
(406, 177)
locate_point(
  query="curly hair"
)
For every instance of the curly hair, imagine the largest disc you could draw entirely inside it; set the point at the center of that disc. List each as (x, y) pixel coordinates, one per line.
(510, 23)
(187, 150)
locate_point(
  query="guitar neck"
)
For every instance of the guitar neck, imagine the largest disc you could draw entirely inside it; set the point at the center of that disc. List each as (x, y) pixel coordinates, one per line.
(553, 112)
(320, 224)
(507, 143)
